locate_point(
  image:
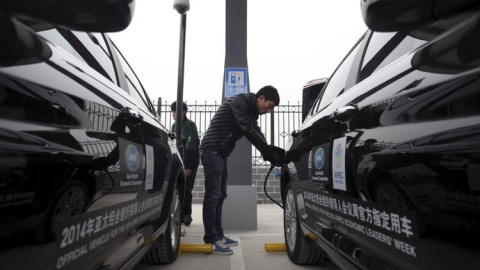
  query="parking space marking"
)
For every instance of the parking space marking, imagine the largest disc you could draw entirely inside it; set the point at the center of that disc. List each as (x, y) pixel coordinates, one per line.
(236, 260)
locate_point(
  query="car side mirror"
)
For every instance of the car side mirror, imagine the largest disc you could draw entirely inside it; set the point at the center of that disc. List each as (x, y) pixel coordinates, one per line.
(80, 15)
(311, 90)
(394, 15)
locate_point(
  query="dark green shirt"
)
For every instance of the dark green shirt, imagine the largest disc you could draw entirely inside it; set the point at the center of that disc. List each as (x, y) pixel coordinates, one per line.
(190, 143)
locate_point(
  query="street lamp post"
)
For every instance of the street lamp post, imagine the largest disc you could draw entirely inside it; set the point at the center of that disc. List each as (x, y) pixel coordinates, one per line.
(181, 6)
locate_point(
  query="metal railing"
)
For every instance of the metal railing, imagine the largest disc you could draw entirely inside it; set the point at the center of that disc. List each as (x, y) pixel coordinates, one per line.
(285, 119)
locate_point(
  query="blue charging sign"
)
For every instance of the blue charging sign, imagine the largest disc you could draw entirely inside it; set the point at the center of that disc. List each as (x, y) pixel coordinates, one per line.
(236, 81)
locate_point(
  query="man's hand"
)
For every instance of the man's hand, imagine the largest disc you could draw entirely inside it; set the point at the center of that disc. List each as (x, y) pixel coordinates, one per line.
(188, 172)
(274, 155)
(290, 156)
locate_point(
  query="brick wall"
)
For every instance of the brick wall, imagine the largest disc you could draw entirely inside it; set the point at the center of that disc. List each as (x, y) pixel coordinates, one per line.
(258, 179)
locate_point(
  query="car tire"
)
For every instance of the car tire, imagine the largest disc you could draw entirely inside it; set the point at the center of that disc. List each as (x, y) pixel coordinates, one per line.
(298, 250)
(71, 199)
(166, 248)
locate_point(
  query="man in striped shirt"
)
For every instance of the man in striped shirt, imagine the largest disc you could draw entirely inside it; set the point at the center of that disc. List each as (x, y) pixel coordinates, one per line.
(236, 117)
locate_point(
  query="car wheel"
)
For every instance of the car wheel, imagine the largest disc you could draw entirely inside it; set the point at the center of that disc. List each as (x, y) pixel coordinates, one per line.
(298, 250)
(167, 244)
(70, 200)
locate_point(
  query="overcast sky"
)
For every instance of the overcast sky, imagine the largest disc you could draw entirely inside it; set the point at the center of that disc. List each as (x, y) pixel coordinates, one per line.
(289, 43)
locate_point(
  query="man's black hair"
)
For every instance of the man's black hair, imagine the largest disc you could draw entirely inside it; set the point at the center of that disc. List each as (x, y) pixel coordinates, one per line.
(270, 93)
(173, 107)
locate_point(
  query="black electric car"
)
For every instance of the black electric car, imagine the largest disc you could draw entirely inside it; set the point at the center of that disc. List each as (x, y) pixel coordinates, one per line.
(89, 178)
(384, 172)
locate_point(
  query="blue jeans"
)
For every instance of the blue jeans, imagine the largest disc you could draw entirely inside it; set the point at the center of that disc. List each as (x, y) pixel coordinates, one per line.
(215, 171)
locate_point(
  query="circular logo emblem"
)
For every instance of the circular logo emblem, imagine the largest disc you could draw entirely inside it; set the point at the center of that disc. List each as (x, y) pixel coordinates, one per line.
(319, 158)
(131, 157)
(338, 155)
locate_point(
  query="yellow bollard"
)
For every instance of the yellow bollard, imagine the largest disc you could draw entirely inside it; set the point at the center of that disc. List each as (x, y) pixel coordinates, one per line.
(312, 236)
(275, 247)
(195, 248)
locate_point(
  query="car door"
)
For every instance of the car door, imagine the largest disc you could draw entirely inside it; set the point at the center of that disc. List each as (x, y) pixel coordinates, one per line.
(79, 167)
(311, 147)
(332, 201)
(165, 166)
(422, 131)
(155, 179)
(403, 147)
(363, 228)
(122, 170)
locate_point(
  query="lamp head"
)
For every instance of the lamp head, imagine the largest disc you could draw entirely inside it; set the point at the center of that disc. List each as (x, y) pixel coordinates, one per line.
(181, 6)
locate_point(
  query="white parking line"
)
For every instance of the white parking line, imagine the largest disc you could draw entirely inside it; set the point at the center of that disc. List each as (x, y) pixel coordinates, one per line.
(236, 260)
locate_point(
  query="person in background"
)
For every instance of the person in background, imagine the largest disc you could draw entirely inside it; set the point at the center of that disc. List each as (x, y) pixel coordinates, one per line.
(235, 118)
(190, 142)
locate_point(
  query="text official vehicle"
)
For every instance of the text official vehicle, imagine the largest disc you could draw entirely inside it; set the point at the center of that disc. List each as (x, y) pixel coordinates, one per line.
(89, 178)
(384, 171)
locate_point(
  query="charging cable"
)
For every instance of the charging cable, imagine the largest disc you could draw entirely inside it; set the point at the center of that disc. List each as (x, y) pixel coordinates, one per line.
(265, 186)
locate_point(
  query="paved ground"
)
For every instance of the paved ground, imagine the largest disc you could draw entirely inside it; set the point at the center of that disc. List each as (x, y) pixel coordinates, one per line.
(250, 254)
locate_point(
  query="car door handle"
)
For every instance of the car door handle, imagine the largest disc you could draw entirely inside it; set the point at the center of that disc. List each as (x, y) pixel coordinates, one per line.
(345, 114)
